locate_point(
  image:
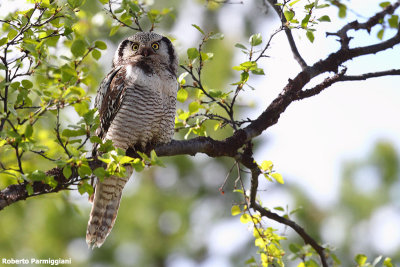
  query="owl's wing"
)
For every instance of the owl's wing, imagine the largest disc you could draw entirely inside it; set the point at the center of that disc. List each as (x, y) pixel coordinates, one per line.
(109, 98)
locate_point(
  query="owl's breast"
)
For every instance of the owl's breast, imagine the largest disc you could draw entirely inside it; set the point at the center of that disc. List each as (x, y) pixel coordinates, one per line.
(147, 111)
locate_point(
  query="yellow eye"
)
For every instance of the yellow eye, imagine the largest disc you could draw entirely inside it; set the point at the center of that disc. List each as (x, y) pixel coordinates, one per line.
(135, 47)
(155, 46)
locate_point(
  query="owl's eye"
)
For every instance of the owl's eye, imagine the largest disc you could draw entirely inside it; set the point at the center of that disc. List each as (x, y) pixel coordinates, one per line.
(135, 47)
(155, 46)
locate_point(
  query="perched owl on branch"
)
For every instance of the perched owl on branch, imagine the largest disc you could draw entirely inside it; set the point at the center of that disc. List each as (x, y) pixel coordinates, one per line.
(136, 103)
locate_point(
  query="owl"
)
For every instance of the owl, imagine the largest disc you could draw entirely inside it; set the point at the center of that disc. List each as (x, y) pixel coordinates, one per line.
(136, 103)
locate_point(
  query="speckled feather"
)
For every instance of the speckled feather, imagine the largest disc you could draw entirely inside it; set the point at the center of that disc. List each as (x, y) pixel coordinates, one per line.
(136, 103)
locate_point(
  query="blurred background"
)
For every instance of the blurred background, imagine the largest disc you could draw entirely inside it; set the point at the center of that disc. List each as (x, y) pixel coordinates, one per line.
(338, 153)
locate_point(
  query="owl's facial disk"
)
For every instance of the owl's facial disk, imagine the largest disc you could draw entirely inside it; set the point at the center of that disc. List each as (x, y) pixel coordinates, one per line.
(145, 51)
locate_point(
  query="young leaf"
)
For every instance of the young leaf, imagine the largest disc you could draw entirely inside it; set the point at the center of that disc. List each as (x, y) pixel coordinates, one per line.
(240, 46)
(84, 170)
(198, 28)
(384, 4)
(96, 54)
(78, 48)
(27, 84)
(360, 259)
(255, 39)
(267, 165)
(100, 45)
(278, 177)
(289, 15)
(100, 173)
(245, 218)
(305, 21)
(114, 30)
(67, 171)
(194, 107)
(182, 95)
(394, 21)
(325, 18)
(29, 189)
(380, 34)
(235, 210)
(217, 35)
(192, 53)
(310, 36)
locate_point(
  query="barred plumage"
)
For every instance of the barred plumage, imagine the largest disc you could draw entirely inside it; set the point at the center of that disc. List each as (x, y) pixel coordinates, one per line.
(136, 103)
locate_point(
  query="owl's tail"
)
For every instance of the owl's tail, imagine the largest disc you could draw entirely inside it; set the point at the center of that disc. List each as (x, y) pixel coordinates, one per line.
(106, 201)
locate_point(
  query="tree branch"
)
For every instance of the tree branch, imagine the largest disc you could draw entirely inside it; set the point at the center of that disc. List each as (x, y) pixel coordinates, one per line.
(288, 33)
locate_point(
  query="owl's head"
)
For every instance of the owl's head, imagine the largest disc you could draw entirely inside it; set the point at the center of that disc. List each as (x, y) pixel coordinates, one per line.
(144, 45)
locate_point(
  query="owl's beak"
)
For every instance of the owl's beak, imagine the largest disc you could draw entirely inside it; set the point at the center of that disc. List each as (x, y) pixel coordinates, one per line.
(146, 51)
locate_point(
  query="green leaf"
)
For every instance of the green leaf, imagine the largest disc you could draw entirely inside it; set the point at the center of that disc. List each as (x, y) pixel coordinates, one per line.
(96, 54)
(67, 171)
(255, 39)
(245, 218)
(384, 4)
(114, 30)
(267, 165)
(28, 131)
(217, 36)
(3, 41)
(192, 53)
(310, 36)
(155, 160)
(103, 2)
(289, 15)
(238, 45)
(293, 2)
(27, 84)
(78, 48)
(258, 71)
(322, 6)
(295, 248)
(311, 263)
(100, 45)
(235, 210)
(29, 189)
(11, 34)
(279, 209)
(305, 21)
(360, 259)
(84, 170)
(380, 34)
(85, 188)
(194, 107)
(82, 108)
(37, 175)
(278, 177)
(388, 262)
(342, 11)
(182, 95)
(95, 139)
(100, 173)
(73, 133)
(244, 77)
(198, 28)
(325, 18)
(394, 21)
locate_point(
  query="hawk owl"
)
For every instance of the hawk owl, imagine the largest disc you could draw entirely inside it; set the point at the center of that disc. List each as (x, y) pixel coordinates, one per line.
(136, 103)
